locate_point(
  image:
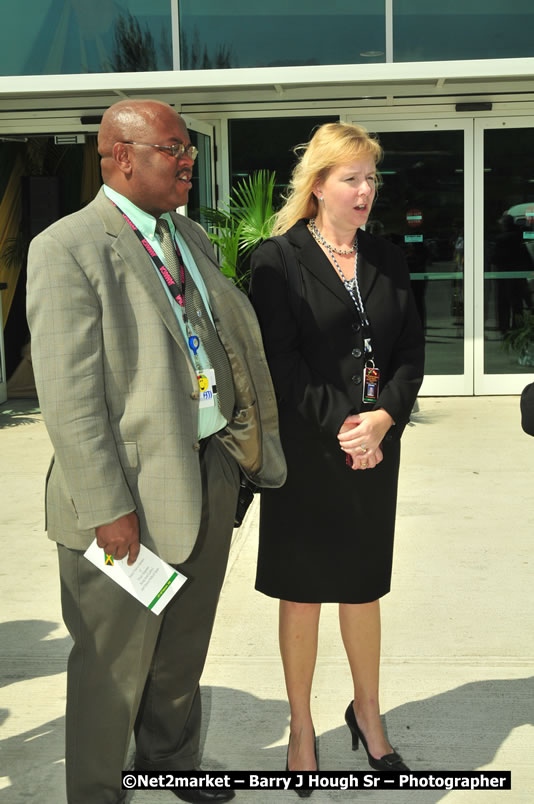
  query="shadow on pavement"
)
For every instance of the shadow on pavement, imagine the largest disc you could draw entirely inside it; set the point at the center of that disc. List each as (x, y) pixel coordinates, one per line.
(26, 653)
(461, 729)
(15, 412)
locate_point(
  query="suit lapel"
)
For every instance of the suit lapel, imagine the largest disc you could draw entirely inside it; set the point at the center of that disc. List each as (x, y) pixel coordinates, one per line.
(130, 250)
(314, 260)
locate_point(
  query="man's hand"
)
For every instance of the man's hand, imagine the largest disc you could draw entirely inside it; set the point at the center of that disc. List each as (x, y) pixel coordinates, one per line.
(120, 538)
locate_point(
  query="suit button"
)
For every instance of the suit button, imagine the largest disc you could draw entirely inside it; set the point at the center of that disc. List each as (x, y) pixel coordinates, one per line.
(194, 394)
(196, 446)
(356, 379)
(355, 327)
(356, 352)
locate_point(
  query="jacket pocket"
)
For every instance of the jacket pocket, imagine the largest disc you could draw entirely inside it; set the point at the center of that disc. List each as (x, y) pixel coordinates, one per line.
(242, 440)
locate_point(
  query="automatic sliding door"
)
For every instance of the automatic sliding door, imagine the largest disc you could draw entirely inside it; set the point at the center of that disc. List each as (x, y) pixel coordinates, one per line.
(422, 208)
(504, 354)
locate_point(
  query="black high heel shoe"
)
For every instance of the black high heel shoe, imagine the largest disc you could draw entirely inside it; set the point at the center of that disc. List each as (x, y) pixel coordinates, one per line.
(389, 762)
(304, 792)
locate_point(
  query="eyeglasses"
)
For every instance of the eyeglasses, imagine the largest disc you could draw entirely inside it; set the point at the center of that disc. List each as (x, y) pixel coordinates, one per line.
(191, 151)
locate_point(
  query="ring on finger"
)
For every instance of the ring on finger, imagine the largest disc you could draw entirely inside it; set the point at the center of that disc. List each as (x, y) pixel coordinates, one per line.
(364, 464)
(363, 448)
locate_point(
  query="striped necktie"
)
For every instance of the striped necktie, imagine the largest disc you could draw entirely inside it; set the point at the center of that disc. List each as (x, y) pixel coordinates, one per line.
(200, 321)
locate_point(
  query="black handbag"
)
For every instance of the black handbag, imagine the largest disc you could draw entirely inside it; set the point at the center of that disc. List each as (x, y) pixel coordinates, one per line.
(245, 497)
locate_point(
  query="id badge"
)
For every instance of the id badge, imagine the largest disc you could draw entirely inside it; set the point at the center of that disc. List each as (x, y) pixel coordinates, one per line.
(371, 381)
(206, 387)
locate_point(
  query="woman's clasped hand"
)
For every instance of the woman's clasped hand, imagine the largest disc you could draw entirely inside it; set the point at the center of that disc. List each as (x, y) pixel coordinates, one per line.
(360, 437)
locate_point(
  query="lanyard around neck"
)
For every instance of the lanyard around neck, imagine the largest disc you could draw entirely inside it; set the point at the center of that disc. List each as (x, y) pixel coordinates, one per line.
(350, 285)
(176, 291)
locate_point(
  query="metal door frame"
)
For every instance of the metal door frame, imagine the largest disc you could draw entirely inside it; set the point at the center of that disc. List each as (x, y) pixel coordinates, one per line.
(447, 384)
(491, 384)
(203, 127)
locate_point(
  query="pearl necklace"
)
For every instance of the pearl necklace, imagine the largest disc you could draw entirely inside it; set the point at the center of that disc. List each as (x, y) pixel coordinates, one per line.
(316, 234)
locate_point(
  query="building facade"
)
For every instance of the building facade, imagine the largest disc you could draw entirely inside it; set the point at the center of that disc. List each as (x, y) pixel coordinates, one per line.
(447, 88)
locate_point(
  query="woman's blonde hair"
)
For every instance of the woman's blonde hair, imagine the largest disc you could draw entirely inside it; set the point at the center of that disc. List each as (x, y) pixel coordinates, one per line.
(332, 144)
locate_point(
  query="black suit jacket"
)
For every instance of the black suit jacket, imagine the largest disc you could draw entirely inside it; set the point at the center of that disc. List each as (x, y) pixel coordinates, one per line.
(527, 409)
(315, 349)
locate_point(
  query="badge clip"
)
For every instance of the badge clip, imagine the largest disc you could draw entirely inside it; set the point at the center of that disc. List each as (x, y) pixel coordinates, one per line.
(194, 343)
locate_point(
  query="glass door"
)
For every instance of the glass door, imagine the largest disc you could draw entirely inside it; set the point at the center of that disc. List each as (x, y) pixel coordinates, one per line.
(504, 257)
(424, 206)
(202, 193)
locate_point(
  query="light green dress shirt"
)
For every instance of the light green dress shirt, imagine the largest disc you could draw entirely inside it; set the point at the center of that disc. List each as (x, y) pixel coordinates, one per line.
(210, 420)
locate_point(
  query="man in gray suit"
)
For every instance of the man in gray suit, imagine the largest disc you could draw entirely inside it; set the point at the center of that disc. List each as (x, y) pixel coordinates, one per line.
(127, 308)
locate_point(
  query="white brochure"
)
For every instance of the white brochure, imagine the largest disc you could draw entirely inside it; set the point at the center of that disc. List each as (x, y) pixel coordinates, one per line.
(150, 579)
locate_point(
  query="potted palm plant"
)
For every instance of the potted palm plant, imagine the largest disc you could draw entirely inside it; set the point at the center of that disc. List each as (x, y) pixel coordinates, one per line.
(242, 223)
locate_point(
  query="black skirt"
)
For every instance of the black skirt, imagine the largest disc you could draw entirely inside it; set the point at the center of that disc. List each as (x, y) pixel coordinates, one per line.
(327, 535)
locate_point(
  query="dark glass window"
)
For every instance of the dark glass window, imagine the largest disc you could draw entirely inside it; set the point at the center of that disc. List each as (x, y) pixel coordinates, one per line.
(508, 250)
(456, 29)
(420, 208)
(201, 192)
(239, 33)
(267, 144)
(48, 37)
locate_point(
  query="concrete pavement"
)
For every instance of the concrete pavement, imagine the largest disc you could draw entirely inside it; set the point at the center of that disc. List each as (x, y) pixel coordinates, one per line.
(457, 682)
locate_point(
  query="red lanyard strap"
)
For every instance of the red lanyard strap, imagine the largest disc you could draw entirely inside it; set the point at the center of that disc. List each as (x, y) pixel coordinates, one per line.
(176, 291)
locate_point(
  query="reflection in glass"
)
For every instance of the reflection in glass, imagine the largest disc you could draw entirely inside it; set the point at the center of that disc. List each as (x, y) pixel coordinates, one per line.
(265, 144)
(77, 36)
(508, 251)
(200, 194)
(478, 29)
(274, 34)
(420, 207)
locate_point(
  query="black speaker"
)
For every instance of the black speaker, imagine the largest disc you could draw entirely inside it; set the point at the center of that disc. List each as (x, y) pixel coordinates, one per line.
(40, 204)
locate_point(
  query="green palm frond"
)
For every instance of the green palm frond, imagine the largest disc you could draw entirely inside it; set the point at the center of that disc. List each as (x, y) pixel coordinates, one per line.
(241, 224)
(217, 218)
(14, 252)
(227, 242)
(252, 206)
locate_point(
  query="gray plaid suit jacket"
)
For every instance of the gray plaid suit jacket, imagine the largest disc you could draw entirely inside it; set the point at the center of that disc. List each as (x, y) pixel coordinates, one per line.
(117, 390)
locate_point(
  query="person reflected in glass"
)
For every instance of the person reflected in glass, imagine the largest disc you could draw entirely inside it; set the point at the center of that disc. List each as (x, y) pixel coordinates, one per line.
(418, 258)
(511, 254)
(337, 306)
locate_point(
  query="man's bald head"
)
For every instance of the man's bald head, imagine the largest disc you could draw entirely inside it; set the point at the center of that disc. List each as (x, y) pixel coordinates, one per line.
(128, 120)
(152, 178)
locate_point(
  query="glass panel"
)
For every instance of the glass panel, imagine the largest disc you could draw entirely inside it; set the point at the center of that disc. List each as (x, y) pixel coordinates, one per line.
(486, 29)
(268, 145)
(52, 186)
(47, 37)
(200, 194)
(421, 208)
(239, 33)
(508, 251)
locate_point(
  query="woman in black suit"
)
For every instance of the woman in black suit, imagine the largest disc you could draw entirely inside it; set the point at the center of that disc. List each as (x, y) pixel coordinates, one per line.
(344, 314)
(527, 409)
